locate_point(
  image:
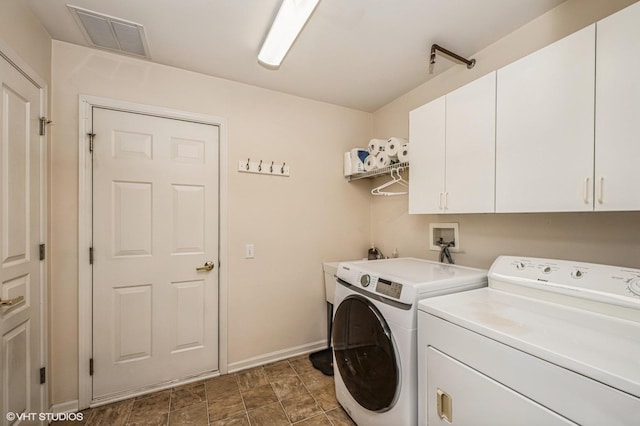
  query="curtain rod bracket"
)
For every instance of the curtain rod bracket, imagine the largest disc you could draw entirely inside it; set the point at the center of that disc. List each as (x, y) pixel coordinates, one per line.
(434, 47)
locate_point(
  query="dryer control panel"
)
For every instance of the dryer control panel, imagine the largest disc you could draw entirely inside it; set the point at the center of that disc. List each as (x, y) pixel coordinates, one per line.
(612, 285)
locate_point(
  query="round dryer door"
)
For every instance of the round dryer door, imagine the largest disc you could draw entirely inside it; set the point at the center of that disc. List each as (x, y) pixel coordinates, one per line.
(365, 354)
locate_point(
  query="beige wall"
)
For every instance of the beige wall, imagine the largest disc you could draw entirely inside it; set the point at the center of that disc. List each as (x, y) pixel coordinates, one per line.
(276, 301)
(595, 237)
(24, 34)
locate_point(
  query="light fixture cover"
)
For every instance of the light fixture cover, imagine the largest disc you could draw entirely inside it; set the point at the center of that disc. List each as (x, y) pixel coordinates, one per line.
(107, 32)
(291, 17)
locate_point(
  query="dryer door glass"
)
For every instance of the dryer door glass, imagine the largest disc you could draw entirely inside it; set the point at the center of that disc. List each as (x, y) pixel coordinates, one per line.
(365, 354)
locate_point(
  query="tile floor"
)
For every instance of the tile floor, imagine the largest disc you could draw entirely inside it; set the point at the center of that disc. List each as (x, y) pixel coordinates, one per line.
(283, 393)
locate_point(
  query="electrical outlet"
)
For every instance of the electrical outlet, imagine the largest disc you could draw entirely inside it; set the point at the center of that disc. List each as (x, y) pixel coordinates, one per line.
(249, 251)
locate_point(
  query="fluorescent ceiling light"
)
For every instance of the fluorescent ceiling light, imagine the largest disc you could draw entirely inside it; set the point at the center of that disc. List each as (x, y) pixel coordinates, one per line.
(107, 32)
(292, 16)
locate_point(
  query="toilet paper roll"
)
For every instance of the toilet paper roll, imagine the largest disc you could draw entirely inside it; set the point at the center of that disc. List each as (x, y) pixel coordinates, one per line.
(376, 145)
(347, 163)
(383, 159)
(403, 152)
(392, 146)
(370, 163)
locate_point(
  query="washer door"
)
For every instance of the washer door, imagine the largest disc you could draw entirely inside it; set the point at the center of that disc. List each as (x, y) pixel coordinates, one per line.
(365, 354)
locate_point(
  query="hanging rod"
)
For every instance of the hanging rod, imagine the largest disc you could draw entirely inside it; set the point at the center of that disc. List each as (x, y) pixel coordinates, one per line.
(434, 47)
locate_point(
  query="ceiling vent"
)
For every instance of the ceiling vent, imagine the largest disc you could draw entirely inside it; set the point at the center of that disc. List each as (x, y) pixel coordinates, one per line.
(107, 32)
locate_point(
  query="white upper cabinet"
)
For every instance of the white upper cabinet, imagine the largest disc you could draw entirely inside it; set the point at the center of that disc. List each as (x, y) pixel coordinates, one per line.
(453, 151)
(426, 174)
(617, 176)
(471, 147)
(545, 128)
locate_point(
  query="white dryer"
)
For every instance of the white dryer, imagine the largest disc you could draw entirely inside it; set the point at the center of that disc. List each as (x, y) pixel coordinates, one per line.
(549, 342)
(374, 333)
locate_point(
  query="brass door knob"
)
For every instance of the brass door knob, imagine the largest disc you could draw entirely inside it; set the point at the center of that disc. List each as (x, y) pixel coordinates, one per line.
(206, 267)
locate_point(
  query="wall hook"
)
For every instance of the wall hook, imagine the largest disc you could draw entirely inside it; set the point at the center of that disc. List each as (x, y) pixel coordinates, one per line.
(282, 169)
(271, 167)
(247, 166)
(260, 166)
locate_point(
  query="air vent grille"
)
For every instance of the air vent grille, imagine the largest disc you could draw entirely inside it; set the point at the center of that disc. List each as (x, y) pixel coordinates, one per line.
(107, 32)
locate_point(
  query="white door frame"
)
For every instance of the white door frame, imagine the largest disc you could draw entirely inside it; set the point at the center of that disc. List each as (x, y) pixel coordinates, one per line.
(14, 59)
(85, 305)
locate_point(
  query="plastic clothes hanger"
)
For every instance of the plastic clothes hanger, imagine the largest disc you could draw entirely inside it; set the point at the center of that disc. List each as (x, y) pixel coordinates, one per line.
(396, 178)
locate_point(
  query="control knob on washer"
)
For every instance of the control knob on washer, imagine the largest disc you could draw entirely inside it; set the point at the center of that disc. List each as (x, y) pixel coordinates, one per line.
(634, 286)
(365, 280)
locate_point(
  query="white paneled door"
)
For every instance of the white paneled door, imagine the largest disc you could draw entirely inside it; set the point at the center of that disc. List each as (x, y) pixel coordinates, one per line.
(21, 352)
(155, 251)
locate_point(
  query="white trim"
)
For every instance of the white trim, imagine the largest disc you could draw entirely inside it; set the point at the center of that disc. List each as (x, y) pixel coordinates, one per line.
(151, 389)
(277, 356)
(17, 62)
(65, 407)
(85, 313)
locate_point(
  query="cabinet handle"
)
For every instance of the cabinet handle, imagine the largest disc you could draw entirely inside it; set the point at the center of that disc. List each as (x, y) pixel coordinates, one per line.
(446, 200)
(440, 201)
(445, 405)
(585, 196)
(601, 191)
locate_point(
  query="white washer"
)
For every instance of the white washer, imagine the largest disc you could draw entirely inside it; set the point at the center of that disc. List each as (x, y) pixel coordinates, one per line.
(549, 342)
(375, 337)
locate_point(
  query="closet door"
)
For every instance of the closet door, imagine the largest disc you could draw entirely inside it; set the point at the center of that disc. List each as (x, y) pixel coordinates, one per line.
(618, 111)
(426, 174)
(545, 120)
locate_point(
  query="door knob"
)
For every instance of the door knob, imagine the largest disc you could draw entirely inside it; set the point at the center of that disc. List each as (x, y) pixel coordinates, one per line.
(11, 302)
(206, 267)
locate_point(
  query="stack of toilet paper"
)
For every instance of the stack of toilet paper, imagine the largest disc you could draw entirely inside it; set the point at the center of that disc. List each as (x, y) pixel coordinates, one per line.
(379, 153)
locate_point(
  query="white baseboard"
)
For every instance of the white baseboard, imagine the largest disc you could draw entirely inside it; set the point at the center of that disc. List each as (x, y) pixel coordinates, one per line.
(277, 356)
(65, 407)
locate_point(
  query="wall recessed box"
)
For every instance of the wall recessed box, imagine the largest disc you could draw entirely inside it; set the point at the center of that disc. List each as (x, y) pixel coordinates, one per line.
(447, 232)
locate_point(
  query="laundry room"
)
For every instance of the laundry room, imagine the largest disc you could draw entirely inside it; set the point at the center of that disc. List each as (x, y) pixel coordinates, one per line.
(258, 199)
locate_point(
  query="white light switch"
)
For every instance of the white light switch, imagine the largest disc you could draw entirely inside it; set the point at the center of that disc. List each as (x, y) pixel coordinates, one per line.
(248, 251)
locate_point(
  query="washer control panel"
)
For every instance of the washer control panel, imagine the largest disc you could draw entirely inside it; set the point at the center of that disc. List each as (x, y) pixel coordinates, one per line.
(389, 288)
(608, 284)
(379, 285)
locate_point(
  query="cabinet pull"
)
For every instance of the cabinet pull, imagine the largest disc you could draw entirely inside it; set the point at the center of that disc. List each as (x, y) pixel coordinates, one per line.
(445, 405)
(585, 196)
(440, 201)
(601, 191)
(446, 200)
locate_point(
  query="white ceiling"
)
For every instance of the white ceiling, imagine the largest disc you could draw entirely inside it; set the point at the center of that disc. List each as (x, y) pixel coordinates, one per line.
(357, 53)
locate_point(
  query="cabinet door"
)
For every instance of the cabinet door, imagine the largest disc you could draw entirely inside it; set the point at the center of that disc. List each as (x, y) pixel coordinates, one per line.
(618, 111)
(545, 136)
(459, 395)
(426, 174)
(470, 147)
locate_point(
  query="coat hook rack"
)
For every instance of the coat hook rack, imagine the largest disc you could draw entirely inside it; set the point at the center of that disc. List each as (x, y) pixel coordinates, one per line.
(256, 166)
(434, 47)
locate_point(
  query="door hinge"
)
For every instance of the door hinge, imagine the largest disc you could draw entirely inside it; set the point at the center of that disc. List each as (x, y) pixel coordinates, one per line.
(91, 136)
(90, 255)
(42, 251)
(43, 125)
(91, 366)
(43, 375)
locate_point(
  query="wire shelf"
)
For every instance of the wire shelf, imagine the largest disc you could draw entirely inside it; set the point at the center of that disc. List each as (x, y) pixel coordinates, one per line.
(378, 172)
